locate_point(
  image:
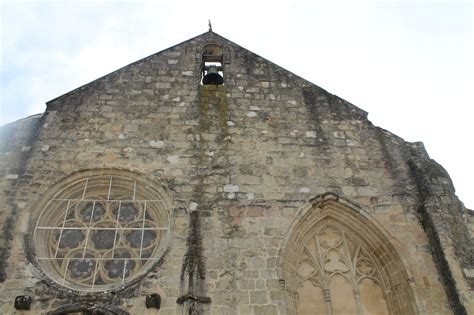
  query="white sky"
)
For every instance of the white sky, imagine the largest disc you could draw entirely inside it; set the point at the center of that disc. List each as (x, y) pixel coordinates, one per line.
(409, 64)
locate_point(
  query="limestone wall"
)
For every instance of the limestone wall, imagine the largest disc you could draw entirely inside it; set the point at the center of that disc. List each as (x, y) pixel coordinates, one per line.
(239, 162)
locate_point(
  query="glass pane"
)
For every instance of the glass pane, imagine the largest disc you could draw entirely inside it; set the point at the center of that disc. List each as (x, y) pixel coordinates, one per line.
(81, 268)
(85, 213)
(102, 239)
(149, 238)
(128, 212)
(114, 270)
(91, 211)
(134, 238)
(123, 253)
(71, 238)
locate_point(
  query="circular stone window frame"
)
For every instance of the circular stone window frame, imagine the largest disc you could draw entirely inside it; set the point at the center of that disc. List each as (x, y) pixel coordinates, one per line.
(37, 209)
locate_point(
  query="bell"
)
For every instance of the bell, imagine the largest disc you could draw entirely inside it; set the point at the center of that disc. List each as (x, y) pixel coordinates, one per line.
(212, 77)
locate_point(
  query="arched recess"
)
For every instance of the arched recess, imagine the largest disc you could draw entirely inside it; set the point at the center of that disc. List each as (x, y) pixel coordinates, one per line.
(88, 309)
(337, 259)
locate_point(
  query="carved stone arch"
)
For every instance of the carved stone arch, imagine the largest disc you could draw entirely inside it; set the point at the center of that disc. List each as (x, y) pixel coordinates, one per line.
(88, 308)
(335, 244)
(216, 48)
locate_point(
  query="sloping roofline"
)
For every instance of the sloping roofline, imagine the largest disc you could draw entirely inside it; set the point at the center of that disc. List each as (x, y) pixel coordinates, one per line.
(186, 41)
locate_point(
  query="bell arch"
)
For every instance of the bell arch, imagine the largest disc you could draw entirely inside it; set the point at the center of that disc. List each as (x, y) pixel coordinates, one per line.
(338, 259)
(212, 65)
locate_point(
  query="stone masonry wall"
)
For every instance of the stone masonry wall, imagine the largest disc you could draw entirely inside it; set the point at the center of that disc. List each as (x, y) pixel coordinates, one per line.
(239, 161)
(16, 141)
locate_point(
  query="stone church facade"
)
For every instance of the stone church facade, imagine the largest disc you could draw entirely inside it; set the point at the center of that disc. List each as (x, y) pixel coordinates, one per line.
(205, 179)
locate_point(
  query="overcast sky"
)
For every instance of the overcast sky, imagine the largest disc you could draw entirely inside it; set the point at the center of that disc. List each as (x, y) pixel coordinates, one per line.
(409, 64)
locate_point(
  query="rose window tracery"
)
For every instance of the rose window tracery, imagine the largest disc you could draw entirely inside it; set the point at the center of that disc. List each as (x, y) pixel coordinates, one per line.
(100, 232)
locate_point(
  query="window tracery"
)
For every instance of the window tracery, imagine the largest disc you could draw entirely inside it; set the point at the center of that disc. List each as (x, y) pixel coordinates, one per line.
(338, 259)
(332, 272)
(100, 232)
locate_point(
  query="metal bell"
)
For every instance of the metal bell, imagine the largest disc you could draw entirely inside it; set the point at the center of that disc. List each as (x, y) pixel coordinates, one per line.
(212, 77)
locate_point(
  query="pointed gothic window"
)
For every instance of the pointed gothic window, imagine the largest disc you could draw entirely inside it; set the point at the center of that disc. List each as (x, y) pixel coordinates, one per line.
(339, 260)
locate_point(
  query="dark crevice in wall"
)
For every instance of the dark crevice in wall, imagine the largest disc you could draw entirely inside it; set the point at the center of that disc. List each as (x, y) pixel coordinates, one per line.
(193, 270)
(314, 98)
(8, 233)
(390, 146)
(211, 98)
(432, 215)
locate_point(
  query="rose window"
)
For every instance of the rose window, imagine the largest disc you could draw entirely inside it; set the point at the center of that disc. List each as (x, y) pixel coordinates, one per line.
(101, 232)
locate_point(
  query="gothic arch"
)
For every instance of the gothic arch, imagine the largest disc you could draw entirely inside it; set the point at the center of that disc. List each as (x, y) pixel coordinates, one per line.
(337, 259)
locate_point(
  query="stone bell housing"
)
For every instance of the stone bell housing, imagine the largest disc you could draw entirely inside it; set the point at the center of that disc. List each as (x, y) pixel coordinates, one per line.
(205, 179)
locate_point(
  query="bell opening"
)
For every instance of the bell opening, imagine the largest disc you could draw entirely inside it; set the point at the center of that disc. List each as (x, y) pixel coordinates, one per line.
(212, 67)
(213, 75)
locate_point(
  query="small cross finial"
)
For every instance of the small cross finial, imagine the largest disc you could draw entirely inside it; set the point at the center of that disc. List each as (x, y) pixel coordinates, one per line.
(210, 26)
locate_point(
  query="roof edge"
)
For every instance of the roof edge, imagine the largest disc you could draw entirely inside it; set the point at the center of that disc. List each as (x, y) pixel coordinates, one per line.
(128, 65)
(20, 120)
(303, 80)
